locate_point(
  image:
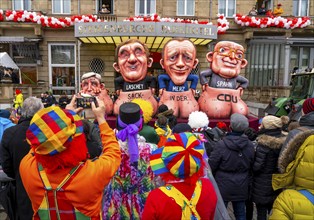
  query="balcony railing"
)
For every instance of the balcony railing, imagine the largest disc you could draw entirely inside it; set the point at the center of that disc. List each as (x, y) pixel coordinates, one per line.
(107, 17)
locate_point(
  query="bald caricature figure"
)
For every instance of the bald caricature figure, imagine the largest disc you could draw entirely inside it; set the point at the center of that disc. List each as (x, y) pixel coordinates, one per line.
(178, 60)
(221, 84)
(132, 61)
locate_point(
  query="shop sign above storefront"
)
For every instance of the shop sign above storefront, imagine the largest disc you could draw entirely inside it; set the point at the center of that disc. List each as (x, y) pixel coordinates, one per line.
(153, 34)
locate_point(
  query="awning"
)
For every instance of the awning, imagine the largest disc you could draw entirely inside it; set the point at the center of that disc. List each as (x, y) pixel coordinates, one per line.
(17, 39)
(7, 62)
(153, 34)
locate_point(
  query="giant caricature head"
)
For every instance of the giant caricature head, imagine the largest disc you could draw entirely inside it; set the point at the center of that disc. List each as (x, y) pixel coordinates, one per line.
(132, 60)
(91, 83)
(178, 59)
(227, 60)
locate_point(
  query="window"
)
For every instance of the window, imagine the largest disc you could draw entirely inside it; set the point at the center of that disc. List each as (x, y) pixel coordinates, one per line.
(265, 64)
(227, 7)
(301, 57)
(185, 7)
(145, 7)
(26, 55)
(62, 71)
(105, 6)
(300, 7)
(61, 6)
(22, 4)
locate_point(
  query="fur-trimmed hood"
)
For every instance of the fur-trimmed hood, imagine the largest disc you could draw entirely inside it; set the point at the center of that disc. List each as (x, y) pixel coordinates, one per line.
(288, 154)
(271, 142)
(167, 112)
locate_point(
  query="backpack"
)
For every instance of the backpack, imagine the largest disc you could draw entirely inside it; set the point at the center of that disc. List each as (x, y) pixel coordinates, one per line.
(211, 140)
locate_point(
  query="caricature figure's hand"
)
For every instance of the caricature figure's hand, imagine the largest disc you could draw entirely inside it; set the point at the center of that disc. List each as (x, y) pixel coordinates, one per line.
(160, 91)
(193, 91)
(241, 90)
(204, 87)
(153, 90)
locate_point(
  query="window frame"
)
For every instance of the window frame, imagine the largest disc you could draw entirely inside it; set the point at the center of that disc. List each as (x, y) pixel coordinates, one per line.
(137, 8)
(225, 8)
(185, 8)
(299, 8)
(265, 69)
(24, 4)
(51, 66)
(53, 2)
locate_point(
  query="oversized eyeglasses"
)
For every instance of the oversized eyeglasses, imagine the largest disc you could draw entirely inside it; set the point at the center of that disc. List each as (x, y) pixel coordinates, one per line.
(227, 52)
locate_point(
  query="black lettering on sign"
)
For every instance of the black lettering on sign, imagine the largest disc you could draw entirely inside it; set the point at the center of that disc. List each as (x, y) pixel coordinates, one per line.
(171, 98)
(136, 95)
(182, 98)
(227, 98)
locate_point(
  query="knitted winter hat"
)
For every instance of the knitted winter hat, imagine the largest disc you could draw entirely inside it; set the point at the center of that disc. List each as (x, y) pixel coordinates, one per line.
(181, 156)
(271, 122)
(198, 119)
(222, 125)
(162, 108)
(308, 105)
(51, 128)
(5, 113)
(181, 127)
(18, 91)
(238, 122)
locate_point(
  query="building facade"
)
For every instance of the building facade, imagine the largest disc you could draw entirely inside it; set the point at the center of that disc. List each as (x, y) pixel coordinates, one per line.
(53, 58)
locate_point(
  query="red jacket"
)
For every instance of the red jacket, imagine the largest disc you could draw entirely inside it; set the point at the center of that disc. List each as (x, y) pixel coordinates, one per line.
(159, 206)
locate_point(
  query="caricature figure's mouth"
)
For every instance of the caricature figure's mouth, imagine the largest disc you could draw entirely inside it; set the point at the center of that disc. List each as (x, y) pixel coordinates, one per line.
(132, 67)
(230, 63)
(180, 71)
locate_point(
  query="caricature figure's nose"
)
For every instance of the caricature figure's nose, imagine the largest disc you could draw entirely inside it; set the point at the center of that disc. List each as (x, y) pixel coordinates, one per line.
(180, 62)
(132, 58)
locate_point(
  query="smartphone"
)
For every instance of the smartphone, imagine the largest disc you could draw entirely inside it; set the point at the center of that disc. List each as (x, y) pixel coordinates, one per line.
(85, 102)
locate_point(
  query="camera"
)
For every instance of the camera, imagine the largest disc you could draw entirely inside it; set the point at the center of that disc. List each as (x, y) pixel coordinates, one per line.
(85, 102)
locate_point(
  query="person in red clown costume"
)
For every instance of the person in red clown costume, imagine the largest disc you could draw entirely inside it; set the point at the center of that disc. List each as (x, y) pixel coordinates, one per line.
(132, 61)
(221, 95)
(58, 177)
(178, 60)
(188, 193)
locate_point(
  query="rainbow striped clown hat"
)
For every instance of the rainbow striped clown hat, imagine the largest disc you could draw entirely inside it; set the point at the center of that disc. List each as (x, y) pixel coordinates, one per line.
(182, 156)
(51, 128)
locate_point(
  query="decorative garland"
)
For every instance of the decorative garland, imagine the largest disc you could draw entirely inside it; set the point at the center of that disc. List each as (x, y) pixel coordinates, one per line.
(222, 25)
(222, 22)
(278, 22)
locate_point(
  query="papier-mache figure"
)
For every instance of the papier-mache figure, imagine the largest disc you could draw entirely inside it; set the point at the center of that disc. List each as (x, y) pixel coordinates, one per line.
(131, 61)
(91, 85)
(178, 60)
(221, 94)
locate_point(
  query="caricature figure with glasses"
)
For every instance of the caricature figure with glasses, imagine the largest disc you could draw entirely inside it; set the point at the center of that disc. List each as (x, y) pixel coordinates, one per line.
(221, 84)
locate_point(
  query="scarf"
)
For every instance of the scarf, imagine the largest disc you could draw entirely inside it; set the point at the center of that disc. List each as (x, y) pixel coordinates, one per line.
(129, 132)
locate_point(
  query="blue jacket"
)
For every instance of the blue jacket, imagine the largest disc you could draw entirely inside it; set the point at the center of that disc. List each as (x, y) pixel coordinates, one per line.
(4, 124)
